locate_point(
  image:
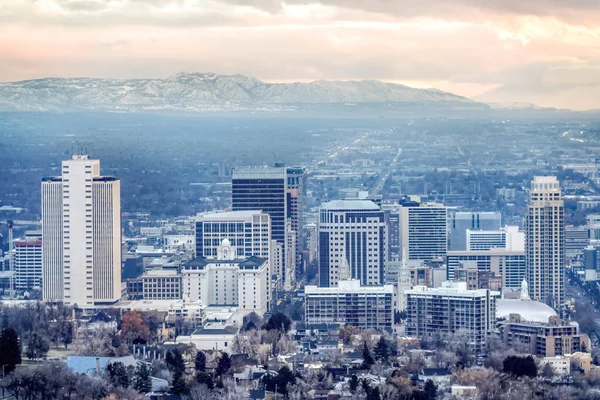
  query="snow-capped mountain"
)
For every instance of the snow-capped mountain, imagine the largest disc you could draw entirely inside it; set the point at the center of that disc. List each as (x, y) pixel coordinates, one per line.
(204, 92)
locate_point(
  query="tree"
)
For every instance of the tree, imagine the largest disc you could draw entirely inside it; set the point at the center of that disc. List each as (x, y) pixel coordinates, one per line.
(66, 333)
(224, 365)
(520, 366)
(278, 321)
(174, 361)
(381, 350)
(142, 381)
(37, 347)
(548, 371)
(117, 373)
(134, 328)
(367, 358)
(347, 332)
(353, 383)
(10, 352)
(250, 326)
(205, 379)
(200, 362)
(179, 385)
(430, 390)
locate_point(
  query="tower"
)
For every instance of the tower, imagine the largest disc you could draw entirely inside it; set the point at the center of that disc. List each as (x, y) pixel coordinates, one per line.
(81, 224)
(545, 241)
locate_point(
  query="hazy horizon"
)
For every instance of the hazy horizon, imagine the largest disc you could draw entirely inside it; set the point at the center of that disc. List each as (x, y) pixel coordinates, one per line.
(545, 52)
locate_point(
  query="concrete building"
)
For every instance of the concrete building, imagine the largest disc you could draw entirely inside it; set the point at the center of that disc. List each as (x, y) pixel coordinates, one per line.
(424, 230)
(161, 284)
(593, 224)
(576, 239)
(450, 309)
(509, 265)
(591, 261)
(81, 227)
(544, 339)
(545, 241)
(27, 262)
(508, 238)
(350, 303)
(228, 280)
(352, 232)
(462, 221)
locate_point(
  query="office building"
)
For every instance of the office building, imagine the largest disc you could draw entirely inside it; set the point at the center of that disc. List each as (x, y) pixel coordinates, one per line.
(591, 261)
(296, 182)
(576, 239)
(266, 189)
(508, 238)
(450, 309)
(27, 261)
(593, 224)
(161, 284)
(424, 230)
(352, 232)
(462, 221)
(545, 241)
(509, 265)
(81, 230)
(228, 280)
(349, 303)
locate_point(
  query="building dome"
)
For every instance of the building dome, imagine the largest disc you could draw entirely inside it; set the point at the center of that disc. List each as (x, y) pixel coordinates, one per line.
(529, 310)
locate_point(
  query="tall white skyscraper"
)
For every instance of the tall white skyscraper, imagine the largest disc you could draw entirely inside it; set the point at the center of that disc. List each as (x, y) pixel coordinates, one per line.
(352, 232)
(424, 230)
(545, 241)
(81, 217)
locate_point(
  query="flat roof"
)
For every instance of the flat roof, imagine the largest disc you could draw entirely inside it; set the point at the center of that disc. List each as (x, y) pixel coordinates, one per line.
(350, 205)
(228, 215)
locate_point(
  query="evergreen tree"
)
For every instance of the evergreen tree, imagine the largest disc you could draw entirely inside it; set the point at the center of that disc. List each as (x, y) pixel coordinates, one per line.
(10, 351)
(205, 379)
(353, 383)
(278, 321)
(117, 373)
(373, 394)
(142, 381)
(381, 350)
(174, 361)
(200, 362)
(430, 390)
(367, 358)
(224, 364)
(179, 385)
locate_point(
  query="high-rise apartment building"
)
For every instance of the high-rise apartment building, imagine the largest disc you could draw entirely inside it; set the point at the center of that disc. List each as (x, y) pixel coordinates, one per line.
(450, 309)
(274, 191)
(508, 238)
(28, 261)
(461, 221)
(81, 227)
(352, 232)
(424, 230)
(509, 265)
(545, 241)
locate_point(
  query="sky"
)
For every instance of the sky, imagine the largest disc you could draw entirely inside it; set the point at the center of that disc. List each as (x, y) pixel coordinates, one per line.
(464, 46)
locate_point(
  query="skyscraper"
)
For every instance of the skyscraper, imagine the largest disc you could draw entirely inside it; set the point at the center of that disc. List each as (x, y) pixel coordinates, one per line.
(278, 192)
(424, 230)
(352, 232)
(28, 261)
(545, 241)
(81, 219)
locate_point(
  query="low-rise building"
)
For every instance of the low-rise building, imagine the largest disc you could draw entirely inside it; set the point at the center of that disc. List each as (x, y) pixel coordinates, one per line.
(161, 284)
(561, 365)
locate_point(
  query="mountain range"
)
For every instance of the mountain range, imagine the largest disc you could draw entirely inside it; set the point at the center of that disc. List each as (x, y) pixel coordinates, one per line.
(210, 92)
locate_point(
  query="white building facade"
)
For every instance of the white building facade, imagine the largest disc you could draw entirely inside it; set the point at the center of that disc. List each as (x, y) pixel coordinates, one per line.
(81, 217)
(28, 261)
(424, 230)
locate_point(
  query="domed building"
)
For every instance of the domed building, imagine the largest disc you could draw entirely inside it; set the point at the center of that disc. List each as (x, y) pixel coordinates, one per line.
(529, 310)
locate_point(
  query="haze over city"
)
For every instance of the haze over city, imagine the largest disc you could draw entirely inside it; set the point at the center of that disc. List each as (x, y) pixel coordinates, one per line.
(541, 52)
(299, 200)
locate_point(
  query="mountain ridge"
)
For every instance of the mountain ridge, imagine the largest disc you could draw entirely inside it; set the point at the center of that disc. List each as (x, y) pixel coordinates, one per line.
(198, 92)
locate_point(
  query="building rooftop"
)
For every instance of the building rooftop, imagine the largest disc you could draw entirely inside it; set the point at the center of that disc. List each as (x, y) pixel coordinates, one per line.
(532, 311)
(452, 289)
(228, 215)
(155, 273)
(260, 172)
(350, 205)
(351, 286)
